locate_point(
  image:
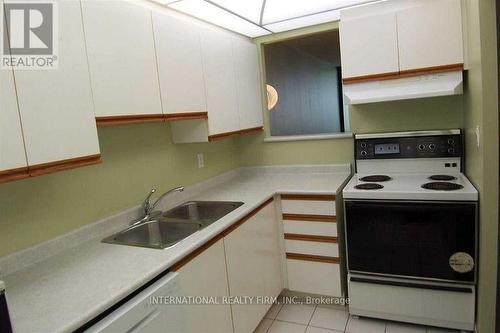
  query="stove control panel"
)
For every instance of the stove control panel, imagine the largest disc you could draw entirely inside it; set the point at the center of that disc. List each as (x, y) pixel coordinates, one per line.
(409, 147)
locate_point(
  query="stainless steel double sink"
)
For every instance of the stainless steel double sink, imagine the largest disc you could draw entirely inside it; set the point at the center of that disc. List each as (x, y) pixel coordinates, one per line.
(170, 227)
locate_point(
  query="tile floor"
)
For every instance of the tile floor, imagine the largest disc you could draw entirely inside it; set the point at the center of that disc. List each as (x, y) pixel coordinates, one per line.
(292, 318)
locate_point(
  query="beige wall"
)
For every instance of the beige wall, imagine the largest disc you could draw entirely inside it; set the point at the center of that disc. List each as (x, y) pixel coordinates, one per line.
(135, 159)
(481, 111)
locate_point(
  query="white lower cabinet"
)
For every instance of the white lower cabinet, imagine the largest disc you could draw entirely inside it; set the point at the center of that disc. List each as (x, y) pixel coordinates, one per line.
(311, 244)
(314, 277)
(253, 267)
(205, 276)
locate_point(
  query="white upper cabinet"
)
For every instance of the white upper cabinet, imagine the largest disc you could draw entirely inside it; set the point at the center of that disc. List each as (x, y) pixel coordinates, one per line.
(409, 37)
(179, 64)
(430, 35)
(247, 71)
(369, 45)
(56, 108)
(122, 60)
(220, 82)
(12, 154)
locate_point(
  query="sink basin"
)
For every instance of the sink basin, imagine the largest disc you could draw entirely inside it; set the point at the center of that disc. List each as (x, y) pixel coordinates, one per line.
(174, 225)
(204, 212)
(154, 234)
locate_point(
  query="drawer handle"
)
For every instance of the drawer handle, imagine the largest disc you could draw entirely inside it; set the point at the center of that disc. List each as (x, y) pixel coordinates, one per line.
(311, 238)
(310, 217)
(311, 197)
(310, 257)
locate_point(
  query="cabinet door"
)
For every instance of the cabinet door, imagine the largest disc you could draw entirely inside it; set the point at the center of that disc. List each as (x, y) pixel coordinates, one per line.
(205, 276)
(56, 108)
(246, 67)
(121, 57)
(369, 45)
(220, 81)
(430, 35)
(253, 266)
(180, 68)
(12, 155)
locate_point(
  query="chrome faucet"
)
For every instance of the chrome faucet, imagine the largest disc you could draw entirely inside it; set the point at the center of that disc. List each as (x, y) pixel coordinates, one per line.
(148, 208)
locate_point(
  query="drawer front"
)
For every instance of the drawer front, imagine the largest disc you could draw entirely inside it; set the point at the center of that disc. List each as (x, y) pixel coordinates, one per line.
(313, 248)
(308, 207)
(310, 228)
(314, 277)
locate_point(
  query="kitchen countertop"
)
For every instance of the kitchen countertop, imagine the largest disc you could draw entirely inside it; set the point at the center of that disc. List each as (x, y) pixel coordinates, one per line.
(63, 292)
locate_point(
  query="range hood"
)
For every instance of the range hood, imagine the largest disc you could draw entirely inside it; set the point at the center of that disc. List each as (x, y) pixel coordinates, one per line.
(428, 85)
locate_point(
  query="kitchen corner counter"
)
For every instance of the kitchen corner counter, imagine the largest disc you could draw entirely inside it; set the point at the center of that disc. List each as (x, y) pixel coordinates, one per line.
(65, 291)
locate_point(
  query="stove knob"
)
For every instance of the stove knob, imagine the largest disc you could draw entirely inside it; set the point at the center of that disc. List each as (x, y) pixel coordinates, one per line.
(363, 153)
(432, 146)
(451, 141)
(451, 150)
(421, 147)
(363, 144)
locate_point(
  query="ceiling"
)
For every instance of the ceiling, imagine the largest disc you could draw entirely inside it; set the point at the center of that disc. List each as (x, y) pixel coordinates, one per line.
(255, 18)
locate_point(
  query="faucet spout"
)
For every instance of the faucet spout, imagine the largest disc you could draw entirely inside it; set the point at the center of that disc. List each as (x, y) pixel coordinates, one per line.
(148, 208)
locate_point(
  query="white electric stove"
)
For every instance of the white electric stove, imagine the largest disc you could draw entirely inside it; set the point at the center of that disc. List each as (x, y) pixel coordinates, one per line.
(411, 229)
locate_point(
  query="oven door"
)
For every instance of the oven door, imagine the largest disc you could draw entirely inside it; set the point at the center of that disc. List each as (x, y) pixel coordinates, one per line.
(430, 240)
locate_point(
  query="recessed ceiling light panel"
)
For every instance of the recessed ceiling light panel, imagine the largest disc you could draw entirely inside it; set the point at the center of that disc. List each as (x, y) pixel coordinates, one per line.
(249, 9)
(218, 16)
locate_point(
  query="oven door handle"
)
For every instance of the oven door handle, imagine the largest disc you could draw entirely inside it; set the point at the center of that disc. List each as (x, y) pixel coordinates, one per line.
(412, 285)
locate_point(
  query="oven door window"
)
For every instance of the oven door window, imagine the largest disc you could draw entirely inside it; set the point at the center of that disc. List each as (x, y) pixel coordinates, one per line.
(415, 239)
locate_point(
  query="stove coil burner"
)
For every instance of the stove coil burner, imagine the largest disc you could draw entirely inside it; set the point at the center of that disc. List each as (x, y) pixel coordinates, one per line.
(442, 186)
(375, 178)
(442, 177)
(368, 186)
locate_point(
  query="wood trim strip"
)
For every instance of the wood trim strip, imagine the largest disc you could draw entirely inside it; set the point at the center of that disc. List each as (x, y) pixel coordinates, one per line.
(404, 73)
(221, 136)
(431, 70)
(13, 174)
(246, 217)
(310, 257)
(186, 116)
(178, 265)
(311, 197)
(184, 261)
(251, 130)
(371, 77)
(312, 238)
(310, 217)
(71, 163)
(126, 120)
